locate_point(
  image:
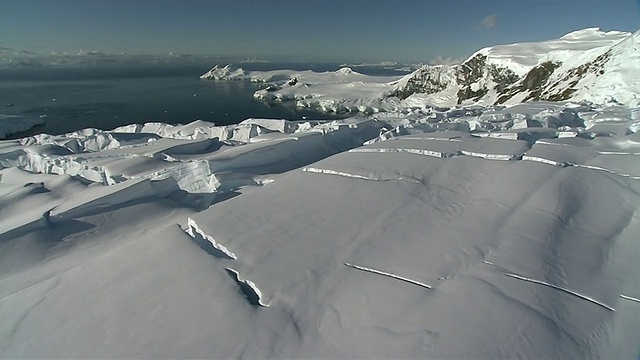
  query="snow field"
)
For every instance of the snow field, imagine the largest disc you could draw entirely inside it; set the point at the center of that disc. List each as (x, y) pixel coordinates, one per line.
(278, 239)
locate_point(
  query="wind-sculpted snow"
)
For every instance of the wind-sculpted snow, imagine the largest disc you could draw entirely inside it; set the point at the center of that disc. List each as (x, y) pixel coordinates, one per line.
(469, 232)
(197, 164)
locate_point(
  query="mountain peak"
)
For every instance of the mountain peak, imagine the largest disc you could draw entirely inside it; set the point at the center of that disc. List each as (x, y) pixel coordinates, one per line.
(591, 33)
(588, 64)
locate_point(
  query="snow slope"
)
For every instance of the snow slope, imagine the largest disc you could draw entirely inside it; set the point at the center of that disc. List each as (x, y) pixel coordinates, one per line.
(464, 233)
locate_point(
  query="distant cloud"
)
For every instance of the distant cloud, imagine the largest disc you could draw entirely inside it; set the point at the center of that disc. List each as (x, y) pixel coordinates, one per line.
(489, 22)
(441, 60)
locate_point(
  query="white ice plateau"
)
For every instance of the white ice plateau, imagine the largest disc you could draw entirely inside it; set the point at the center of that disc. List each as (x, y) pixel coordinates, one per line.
(466, 231)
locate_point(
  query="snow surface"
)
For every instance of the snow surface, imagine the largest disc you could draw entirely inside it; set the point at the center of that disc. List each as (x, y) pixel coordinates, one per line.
(521, 57)
(459, 233)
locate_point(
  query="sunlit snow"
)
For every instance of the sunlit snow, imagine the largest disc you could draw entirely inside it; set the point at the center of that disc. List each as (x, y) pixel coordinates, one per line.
(465, 231)
(221, 242)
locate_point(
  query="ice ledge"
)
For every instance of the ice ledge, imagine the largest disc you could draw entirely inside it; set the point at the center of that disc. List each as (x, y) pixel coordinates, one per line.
(198, 234)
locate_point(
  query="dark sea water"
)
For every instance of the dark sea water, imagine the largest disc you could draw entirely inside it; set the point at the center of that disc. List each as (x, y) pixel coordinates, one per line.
(70, 99)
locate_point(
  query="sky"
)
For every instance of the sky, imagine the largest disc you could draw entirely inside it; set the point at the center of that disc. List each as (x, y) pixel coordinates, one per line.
(321, 30)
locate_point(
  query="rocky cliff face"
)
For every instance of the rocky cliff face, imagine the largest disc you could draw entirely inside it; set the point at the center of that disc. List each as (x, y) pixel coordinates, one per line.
(555, 70)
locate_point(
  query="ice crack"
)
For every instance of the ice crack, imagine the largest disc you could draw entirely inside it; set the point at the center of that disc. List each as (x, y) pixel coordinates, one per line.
(356, 176)
(432, 153)
(488, 156)
(337, 173)
(568, 291)
(544, 161)
(568, 164)
(441, 154)
(630, 298)
(248, 288)
(393, 276)
(207, 242)
(598, 168)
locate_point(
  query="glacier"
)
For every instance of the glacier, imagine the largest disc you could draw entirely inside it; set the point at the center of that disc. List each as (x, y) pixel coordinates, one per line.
(479, 232)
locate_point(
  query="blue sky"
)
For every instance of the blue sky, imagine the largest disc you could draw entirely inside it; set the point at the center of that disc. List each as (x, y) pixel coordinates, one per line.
(322, 30)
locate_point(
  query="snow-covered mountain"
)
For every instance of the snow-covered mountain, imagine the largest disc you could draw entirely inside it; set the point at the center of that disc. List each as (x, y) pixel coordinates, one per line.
(223, 72)
(583, 65)
(590, 64)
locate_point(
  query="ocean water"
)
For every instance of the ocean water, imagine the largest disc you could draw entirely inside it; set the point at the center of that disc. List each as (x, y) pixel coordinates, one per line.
(107, 97)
